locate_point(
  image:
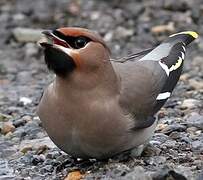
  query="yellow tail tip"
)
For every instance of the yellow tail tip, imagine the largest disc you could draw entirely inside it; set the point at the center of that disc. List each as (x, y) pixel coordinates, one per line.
(191, 33)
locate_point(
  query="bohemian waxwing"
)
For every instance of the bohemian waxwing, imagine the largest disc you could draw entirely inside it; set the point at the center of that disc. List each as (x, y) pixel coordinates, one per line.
(97, 107)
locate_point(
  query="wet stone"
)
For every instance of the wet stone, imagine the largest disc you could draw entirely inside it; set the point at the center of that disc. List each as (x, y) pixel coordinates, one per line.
(26, 34)
(19, 133)
(32, 128)
(4, 117)
(173, 127)
(19, 122)
(151, 150)
(31, 50)
(197, 145)
(138, 172)
(156, 160)
(161, 29)
(161, 127)
(123, 32)
(23, 101)
(175, 135)
(200, 175)
(5, 170)
(190, 104)
(37, 143)
(121, 170)
(52, 162)
(195, 119)
(197, 85)
(169, 144)
(53, 154)
(166, 173)
(7, 127)
(37, 159)
(159, 137)
(173, 153)
(42, 149)
(174, 5)
(26, 149)
(47, 168)
(192, 130)
(185, 139)
(197, 62)
(27, 118)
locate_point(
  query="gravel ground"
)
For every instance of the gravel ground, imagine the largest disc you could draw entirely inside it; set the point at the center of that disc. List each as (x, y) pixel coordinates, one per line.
(176, 149)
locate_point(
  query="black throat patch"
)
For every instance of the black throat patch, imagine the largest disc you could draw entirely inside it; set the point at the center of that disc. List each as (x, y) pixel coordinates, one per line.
(58, 61)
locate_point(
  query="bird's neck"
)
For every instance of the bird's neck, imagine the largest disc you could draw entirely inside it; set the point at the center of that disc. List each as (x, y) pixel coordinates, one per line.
(102, 83)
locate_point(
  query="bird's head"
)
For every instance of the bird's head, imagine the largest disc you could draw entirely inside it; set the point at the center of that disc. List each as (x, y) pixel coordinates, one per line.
(73, 49)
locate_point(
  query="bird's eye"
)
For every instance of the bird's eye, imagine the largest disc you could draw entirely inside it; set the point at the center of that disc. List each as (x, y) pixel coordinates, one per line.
(80, 42)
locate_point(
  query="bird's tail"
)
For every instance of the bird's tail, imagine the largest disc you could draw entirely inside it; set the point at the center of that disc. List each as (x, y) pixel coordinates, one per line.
(170, 56)
(172, 46)
(185, 37)
(163, 49)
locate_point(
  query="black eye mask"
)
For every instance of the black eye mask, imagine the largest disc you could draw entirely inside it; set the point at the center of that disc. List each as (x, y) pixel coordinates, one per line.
(75, 42)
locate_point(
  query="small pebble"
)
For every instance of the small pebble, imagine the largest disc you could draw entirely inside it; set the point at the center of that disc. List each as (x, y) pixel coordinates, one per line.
(38, 159)
(167, 173)
(122, 32)
(26, 34)
(75, 175)
(19, 122)
(191, 130)
(26, 149)
(27, 118)
(195, 119)
(197, 145)
(173, 5)
(173, 127)
(137, 171)
(47, 168)
(161, 126)
(4, 117)
(19, 133)
(160, 29)
(197, 85)
(151, 150)
(31, 50)
(156, 160)
(7, 127)
(175, 135)
(169, 144)
(190, 104)
(25, 101)
(53, 154)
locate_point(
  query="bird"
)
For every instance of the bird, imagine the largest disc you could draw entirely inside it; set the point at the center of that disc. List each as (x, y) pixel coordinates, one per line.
(99, 107)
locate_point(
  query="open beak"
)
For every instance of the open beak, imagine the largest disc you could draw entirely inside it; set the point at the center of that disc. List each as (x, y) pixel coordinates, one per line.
(51, 39)
(58, 54)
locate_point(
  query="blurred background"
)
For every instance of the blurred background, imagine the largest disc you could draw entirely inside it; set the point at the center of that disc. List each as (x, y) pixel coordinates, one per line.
(127, 26)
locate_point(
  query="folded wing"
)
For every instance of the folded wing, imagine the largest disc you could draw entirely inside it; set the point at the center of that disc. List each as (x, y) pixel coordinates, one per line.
(146, 84)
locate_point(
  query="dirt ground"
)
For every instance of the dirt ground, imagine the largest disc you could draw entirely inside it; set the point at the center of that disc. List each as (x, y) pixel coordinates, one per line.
(26, 152)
